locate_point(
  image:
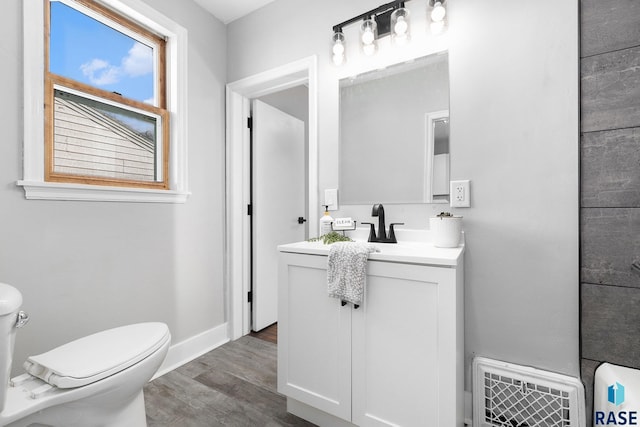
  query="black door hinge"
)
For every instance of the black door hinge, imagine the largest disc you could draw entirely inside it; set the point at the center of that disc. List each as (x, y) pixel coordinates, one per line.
(249, 210)
(250, 122)
(250, 296)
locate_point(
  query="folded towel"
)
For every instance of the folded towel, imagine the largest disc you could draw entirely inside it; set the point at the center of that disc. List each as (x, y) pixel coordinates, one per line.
(347, 265)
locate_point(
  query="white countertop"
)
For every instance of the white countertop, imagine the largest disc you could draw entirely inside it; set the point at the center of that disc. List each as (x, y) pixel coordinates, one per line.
(413, 252)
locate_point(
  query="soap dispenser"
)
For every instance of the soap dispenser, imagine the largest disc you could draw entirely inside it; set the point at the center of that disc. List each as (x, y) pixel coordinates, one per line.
(325, 222)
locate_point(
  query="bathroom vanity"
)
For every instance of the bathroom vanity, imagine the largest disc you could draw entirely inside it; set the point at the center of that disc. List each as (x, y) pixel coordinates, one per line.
(396, 360)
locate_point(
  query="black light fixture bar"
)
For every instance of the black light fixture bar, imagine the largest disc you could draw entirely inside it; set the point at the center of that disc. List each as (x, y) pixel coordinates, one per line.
(381, 14)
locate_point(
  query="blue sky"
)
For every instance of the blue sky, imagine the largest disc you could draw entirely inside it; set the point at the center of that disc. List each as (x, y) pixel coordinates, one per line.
(88, 51)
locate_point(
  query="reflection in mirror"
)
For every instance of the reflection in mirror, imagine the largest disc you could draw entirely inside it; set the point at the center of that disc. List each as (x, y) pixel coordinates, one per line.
(438, 138)
(394, 134)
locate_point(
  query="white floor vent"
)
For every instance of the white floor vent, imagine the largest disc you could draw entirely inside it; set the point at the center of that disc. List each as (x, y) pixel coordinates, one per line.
(508, 395)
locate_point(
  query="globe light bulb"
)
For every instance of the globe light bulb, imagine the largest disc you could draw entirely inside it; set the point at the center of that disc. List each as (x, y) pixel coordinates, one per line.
(338, 48)
(401, 26)
(438, 13)
(367, 36)
(368, 33)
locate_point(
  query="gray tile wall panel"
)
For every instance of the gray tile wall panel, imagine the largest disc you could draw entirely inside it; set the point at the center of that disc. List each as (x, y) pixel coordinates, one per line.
(608, 25)
(611, 324)
(610, 90)
(610, 244)
(610, 168)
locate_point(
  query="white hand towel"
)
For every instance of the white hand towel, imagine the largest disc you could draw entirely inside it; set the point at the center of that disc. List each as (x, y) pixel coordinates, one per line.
(347, 265)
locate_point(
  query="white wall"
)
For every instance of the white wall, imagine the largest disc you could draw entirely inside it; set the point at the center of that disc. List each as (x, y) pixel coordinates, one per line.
(86, 266)
(514, 134)
(295, 101)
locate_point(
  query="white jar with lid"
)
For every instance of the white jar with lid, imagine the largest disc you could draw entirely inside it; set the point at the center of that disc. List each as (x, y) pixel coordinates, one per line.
(446, 230)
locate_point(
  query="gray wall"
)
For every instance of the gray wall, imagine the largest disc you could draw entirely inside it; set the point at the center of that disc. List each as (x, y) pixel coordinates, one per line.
(610, 191)
(86, 266)
(514, 134)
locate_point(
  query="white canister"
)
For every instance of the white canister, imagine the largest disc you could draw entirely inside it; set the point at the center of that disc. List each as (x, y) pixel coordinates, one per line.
(446, 230)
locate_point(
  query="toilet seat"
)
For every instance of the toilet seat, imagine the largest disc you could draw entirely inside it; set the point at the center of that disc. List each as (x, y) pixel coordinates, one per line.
(95, 357)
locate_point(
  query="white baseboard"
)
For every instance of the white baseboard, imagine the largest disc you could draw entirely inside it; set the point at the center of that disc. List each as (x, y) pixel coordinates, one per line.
(468, 408)
(192, 348)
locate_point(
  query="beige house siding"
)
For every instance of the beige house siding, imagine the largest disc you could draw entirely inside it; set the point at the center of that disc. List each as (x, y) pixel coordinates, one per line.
(88, 143)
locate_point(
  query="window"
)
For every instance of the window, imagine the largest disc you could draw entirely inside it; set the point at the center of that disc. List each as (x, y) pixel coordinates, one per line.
(106, 121)
(105, 97)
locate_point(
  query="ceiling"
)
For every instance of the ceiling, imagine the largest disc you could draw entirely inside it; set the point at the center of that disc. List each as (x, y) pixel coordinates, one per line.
(229, 10)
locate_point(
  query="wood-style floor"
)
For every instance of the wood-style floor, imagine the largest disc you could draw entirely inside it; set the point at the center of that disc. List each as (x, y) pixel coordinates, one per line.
(233, 385)
(269, 334)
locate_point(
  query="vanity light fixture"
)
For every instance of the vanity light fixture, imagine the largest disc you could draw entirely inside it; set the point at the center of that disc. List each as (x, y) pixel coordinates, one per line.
(437, 16)
(390, 18)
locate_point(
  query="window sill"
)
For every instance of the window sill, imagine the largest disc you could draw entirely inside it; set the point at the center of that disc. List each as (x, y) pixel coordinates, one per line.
(35, 190)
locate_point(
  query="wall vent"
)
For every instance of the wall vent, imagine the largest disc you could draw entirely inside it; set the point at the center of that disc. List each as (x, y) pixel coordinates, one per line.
(509, 395)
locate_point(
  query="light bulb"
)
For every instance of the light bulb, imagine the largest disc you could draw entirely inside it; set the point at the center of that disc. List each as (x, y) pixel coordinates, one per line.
(367, 36)
(401, 26)
(438, 13)
(368, 32)
(338, 48)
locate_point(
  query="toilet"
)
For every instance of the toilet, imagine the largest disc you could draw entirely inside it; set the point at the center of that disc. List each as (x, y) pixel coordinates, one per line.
(93, 381)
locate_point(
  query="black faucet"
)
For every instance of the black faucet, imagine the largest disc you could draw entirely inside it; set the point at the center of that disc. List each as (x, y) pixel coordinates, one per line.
(378, 210)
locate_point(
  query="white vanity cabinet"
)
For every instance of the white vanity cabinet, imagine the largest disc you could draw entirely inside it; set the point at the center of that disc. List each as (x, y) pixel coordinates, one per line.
(397, 360)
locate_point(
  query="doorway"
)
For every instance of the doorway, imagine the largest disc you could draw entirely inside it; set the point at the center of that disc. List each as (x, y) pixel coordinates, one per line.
(238, 222)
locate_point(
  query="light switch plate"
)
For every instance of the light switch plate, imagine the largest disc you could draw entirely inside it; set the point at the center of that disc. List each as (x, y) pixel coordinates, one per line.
(331, 198)
(460, 194)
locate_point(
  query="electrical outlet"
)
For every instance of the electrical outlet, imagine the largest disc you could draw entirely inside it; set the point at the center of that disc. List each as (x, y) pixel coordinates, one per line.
(460, 194)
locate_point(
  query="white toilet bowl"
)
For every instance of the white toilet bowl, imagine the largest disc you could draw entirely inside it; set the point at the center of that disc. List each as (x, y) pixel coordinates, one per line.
(93, 381)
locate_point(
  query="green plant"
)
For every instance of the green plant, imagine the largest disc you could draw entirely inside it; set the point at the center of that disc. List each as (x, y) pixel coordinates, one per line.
(330, 238)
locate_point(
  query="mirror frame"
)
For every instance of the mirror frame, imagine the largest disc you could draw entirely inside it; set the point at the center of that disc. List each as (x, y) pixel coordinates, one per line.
(430, 120)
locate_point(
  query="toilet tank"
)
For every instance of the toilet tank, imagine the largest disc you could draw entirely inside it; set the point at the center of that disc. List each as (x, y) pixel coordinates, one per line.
(10, 302)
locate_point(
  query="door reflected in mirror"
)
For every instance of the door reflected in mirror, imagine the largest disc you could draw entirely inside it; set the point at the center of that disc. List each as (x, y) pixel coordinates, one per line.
(394, 134)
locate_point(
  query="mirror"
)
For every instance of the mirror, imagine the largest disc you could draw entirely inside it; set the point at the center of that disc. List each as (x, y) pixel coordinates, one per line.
(394, 134)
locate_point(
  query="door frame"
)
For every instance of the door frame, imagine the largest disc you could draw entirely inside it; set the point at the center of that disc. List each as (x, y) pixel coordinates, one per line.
(237, 224)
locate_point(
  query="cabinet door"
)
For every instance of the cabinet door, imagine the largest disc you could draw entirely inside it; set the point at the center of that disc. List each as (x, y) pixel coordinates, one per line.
(314, 337)
(400, 347)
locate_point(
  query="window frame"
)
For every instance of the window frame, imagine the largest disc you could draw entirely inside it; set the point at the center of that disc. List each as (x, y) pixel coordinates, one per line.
(175, 174)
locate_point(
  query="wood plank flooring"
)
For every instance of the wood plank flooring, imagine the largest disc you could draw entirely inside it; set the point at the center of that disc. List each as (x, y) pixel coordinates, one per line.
(233, 385)
(270, 334)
